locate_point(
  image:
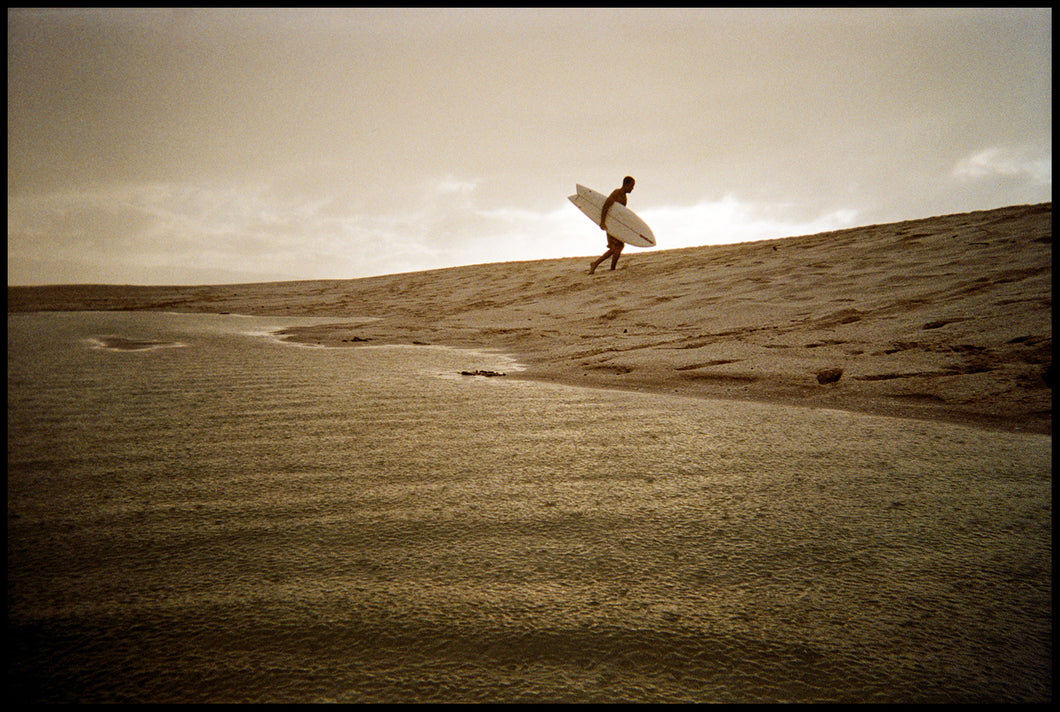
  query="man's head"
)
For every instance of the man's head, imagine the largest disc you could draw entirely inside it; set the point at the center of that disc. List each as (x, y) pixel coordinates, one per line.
(628, 183)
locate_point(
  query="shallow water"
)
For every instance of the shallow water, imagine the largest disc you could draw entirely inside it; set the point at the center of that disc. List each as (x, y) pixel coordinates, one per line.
(198, 512)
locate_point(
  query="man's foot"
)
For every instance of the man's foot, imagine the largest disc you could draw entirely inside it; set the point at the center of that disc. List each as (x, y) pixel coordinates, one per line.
(592, 268)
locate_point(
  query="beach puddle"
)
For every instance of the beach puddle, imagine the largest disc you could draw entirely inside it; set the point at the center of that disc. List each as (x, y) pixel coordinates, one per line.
(122, 343)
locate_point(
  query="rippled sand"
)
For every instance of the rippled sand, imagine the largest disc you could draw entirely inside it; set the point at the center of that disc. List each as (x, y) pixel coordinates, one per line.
(243, 521)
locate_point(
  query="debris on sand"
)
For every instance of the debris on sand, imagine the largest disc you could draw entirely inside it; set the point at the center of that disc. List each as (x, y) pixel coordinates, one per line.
(829, 375)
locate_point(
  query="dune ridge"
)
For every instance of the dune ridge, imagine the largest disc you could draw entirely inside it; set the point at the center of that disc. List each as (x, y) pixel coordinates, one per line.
(945, 317)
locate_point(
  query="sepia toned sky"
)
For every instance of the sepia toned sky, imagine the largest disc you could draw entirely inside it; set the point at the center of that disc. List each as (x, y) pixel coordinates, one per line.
(205, 146)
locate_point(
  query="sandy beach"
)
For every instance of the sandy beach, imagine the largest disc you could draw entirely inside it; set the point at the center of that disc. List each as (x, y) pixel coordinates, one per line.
(947, 317)
(198, 513)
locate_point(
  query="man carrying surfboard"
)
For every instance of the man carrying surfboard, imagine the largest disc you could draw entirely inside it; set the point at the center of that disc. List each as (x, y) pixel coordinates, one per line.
(614, 245)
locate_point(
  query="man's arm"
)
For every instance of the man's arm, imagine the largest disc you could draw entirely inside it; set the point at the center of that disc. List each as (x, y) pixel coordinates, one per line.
(607, 205)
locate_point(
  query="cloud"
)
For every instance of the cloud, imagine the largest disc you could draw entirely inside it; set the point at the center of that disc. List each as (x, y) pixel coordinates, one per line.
(180, 233)
(450, 184)
(731, 220)
(328, 144)
(177, 232)
(170, 233)
(1022, 161)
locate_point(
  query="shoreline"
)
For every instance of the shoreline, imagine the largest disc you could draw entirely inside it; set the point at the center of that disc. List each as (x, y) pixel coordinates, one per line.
(946, 317)
(1022, 426)
(536, 371)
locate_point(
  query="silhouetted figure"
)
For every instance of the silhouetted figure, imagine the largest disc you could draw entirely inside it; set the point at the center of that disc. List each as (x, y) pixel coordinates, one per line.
(614, 246)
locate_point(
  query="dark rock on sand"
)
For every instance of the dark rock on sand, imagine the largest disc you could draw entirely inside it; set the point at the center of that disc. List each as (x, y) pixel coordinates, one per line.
(829, 375)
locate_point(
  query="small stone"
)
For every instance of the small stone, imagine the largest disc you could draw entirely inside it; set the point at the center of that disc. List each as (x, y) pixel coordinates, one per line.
(829, 375)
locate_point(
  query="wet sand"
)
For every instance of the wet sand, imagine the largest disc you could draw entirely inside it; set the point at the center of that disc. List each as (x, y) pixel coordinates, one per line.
(246, 521)
(947, 317)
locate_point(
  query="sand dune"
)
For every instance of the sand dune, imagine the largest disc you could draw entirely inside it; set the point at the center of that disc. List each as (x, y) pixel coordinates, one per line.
(946, 317)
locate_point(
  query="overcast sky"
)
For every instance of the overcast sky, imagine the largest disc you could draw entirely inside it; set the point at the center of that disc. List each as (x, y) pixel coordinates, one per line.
(216, 146)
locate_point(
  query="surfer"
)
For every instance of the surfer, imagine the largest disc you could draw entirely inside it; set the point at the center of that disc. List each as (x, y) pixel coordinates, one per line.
(614, 246)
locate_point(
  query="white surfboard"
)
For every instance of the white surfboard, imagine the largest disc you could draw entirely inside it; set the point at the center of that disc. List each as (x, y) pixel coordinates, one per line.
(622, 223)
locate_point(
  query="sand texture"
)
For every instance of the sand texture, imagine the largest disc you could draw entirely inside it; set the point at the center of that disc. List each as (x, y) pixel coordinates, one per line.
(947, 317)
(242, 521)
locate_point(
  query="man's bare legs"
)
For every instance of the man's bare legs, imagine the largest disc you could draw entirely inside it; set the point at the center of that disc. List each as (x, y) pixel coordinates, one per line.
(614, 251)
(595, 264)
